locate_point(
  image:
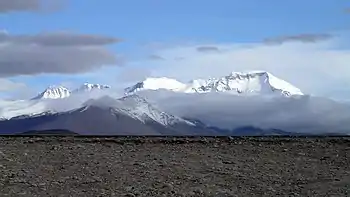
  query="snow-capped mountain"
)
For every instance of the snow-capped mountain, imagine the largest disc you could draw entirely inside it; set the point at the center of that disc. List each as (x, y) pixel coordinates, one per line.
(189, 113)
(54, 92)
(256, 82)
(87, 87)
(137, 108)
(132, 106)
(130, 115)
(59, 92)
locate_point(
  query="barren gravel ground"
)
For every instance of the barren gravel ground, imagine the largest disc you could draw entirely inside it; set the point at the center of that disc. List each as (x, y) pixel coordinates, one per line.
(58, 166)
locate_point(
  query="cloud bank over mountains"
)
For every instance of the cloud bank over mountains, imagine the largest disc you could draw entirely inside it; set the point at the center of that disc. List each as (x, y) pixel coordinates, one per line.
(303, 114)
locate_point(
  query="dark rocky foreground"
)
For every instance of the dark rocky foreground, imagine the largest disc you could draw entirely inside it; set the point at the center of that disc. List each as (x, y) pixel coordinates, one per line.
(76, 166)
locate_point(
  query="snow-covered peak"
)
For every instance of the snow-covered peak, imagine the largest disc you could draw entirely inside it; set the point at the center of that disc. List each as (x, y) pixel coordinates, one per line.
(87, 87)
(59, 92)
(252, 82)
(54, 92)
(155, 84)
(261, 82)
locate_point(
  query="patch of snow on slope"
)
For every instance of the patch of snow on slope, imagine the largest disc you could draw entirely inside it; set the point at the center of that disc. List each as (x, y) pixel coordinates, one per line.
(87, 87)
(155, 84)
(283, 85)
(138, 108)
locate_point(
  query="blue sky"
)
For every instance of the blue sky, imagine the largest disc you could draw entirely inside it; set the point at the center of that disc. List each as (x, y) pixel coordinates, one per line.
(155, 20)
(169, 22)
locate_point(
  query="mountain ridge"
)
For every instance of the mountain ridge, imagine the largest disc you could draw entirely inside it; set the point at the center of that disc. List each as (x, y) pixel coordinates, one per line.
(54, 92)
(238, 83)
(231, 101)
(95, 119)
(60, 92)
(256, 82)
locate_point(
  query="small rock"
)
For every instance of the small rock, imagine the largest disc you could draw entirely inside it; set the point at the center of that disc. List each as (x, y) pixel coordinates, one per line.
(227, 162)
(198, 191)
(54, 148)
(169, 186)
(129, 189)
(191, 194)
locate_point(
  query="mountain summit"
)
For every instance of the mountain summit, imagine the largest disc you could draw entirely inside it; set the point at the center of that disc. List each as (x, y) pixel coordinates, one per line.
(54, 92)
(87, 87)
(256, 82)
(59, 92)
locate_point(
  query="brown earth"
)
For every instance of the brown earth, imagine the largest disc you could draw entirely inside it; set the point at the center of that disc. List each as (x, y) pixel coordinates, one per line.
(75, 166)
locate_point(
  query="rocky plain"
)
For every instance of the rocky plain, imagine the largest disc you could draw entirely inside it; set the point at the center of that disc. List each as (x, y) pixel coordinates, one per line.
(181, 166)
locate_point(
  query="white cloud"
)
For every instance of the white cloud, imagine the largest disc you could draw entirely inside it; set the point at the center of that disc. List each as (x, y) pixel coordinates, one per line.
(317, 68)
(8, 85)
(304, 114)
(48, 53)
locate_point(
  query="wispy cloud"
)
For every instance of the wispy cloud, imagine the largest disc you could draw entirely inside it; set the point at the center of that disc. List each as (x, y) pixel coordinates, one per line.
(30, 5)
(58, 39)
(305, 38)
(8, 85)
(179, 58)
(207, 49)
(130, 75)
(155, 57)
(64, 53)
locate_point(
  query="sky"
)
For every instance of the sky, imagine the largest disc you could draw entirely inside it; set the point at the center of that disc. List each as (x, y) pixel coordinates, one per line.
(116, 42)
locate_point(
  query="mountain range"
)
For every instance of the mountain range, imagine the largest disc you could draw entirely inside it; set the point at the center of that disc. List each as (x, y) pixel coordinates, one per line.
(259, 82)
(59, 92)
(57, 107)
(238, 83)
